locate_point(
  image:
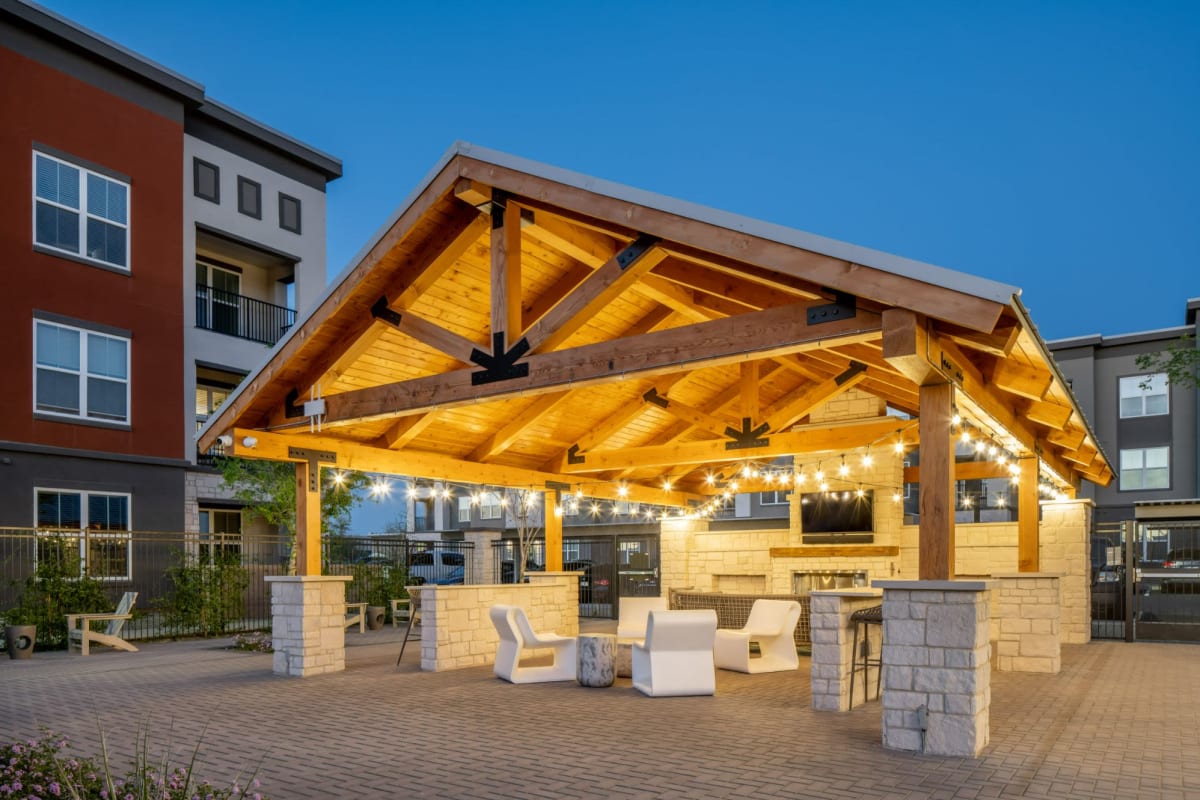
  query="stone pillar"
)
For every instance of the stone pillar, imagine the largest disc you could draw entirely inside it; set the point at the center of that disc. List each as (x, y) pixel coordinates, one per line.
(676, 543)
(1065, 542)
(936, 666)
(483, 559)
(1026, 624)
(308, 614)
(832, 647)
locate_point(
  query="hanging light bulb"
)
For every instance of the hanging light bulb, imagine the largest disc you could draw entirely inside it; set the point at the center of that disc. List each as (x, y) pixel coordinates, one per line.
(860, 493)
(412, 492)
(899, 446)
(579, 492)
(733, 486)
(956, 419)
(820, 476)
(896, 497)
(748, 471)
(666, 484)
(843, 470)
(866, 459)
(622, 491)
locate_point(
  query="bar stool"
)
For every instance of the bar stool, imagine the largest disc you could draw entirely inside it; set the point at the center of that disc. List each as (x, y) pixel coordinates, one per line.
(861, 660)
(414, 617)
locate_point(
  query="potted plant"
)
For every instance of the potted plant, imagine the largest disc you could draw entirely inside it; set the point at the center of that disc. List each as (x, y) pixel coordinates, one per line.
(19, 632)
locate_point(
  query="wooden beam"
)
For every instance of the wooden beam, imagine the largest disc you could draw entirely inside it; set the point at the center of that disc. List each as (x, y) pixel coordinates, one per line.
(788, 284)
(730, 286)
(749, 390)
(405, 429)
(1028, 543)
(881, 285)
(694, 417)
(435, 466)
(809, 439)
(776, 331)
(308, 519)
(998, 343)
(935, 559)
(964, 471)
(502, 439)
(1050, 415)
(585, 246)
(906, 347)
(1023, 380)
(1068, 439)
(506, 268)
(445, 341)
(835, 551)
(597, 290)
(553, 528)
(472, 192)
(801, 405)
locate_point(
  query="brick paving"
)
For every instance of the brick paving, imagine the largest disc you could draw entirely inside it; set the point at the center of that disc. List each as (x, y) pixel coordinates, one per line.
(1120, 721)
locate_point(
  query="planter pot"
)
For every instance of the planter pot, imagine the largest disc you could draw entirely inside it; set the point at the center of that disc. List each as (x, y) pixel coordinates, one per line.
(375, 617)
(20, 640)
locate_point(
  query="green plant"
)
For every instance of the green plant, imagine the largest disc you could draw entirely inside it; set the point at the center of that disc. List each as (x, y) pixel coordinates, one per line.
(376, 584)
(42, 767)
(56, 588)
(1180, 361)
(206, 594)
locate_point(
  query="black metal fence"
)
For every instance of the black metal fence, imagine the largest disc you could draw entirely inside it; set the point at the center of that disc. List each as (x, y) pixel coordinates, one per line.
(241, 316)
(1110, 598)
(193, 584)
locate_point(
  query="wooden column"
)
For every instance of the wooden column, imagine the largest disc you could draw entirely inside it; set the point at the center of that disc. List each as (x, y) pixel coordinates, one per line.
(1027, 516)
(554, 530)
(935, 559)
(308, 521)
(506, 268)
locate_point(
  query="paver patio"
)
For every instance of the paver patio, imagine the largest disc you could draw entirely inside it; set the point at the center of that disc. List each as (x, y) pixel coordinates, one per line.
(1119, 721)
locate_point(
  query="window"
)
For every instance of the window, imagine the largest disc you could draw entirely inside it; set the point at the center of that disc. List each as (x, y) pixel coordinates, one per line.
(289, 213)
(779, 498)
(249, 197)
(1150, 401)
(464, 511)
(1146, 468)
(80, 373)
(220, 535)
(218, 298)
(206, 180)
(80, 212)
(92, 527)
(489, 505)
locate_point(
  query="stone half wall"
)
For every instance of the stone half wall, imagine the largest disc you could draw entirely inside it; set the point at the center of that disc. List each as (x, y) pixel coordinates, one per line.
(1065, 538)
(457, 631)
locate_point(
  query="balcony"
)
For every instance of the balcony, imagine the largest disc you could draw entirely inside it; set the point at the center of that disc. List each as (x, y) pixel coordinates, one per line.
(209, 458)
(241, 316)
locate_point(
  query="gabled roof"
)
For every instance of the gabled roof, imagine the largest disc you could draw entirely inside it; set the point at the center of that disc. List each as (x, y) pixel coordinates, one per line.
(515, 323)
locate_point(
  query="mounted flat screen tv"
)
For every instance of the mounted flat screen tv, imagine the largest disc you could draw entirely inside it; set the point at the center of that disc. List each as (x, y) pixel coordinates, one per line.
(837, 512)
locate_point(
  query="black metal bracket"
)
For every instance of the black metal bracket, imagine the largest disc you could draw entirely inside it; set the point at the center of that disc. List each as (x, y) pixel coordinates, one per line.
(950, 369)
(381, 311)
(501, 366)
(499, 201)
(636, 250)
(843, 306)
(292, 409)
(573, 456)
(657, 399)
(852, 370)
(747, 437)
(314, 458)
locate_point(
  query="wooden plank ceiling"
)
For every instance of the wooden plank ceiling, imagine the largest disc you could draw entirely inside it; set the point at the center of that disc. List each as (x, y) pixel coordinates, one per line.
(513, 329)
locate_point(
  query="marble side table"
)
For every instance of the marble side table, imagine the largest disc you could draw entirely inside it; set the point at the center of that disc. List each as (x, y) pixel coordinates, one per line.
(597, 659)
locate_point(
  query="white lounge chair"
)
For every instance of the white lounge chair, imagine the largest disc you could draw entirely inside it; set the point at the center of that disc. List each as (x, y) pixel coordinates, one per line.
(80, 633)
(771, 624)
(516, 634)
(632, 615)
(677, 658)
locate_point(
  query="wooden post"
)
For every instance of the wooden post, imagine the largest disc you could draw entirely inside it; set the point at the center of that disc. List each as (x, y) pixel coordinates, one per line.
(1027, 516)
(552, 512)
(506, 269)
(935, 560)
(308, 520)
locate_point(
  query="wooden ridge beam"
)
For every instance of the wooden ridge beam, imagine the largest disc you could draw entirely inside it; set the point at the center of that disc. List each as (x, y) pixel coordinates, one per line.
(434, 466)
(812, 439)
(768, 333)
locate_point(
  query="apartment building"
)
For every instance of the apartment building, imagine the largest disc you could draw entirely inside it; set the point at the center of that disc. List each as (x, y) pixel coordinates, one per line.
(1148, 427)
(155, 244)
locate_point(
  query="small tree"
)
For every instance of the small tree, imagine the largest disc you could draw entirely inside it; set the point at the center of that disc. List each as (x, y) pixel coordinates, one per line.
(268, 489)
(1180, 361)
(529, 523)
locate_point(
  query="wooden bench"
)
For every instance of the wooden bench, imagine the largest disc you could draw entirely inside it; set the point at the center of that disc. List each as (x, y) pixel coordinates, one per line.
(356, 614)
(80, 633)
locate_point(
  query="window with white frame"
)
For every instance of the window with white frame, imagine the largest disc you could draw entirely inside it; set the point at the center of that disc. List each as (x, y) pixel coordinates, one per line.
(777, 498)
(489, 505)
(1146, 468)
(89, 527)
(464, 510)
(81, 212)
(1144, 395)
(80, 373)
(220, 534)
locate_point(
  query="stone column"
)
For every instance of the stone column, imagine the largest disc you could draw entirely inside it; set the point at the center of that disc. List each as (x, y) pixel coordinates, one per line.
(308, 614)
(936, 666)
(483, 557)
(676, 543)
(1026, 606)
(833, 647)
(1065, 543)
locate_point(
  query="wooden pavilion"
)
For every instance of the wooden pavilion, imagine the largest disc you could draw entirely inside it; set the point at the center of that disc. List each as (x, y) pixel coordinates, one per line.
(519, 325)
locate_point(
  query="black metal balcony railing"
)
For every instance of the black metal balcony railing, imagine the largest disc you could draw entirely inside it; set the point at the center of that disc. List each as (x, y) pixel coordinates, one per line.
(209, 458)
(241, 316)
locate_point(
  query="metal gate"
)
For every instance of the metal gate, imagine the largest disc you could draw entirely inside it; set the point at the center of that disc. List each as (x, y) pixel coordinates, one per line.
(1146, 580)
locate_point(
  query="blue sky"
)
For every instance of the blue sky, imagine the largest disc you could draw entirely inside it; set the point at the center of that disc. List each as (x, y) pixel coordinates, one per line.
(1054, 146)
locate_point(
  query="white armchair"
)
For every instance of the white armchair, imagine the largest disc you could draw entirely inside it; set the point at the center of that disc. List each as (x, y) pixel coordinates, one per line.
(677, 658)
(516, 634)
(771, 624)
(632, 615)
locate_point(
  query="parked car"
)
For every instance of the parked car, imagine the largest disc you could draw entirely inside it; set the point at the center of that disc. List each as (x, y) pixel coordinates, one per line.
(436, 566)
(1108, 593)
(593, 588)
(1183, 558)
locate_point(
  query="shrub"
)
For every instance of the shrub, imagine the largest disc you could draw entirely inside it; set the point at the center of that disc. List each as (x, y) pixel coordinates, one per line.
(42, 768)
(57, 588)
(207, 593)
